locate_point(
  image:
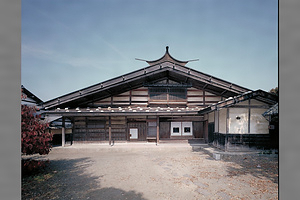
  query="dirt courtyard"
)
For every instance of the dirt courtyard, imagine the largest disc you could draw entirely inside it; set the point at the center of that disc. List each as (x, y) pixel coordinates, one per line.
(147, 171)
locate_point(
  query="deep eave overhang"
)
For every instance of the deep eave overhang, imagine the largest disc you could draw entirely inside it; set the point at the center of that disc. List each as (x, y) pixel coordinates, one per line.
(115, 112)
(259, 95)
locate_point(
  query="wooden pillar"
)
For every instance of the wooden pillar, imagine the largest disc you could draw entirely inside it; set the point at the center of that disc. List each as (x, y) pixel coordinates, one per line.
(203, 97)
(130, 97)
(73, 129)
(126, 129)
(109, 129)
(63, 132)
(157, 130)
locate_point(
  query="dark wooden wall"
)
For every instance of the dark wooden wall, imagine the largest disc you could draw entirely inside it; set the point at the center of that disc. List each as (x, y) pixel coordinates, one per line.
(198, 129)
(140, 97)
(164, 129)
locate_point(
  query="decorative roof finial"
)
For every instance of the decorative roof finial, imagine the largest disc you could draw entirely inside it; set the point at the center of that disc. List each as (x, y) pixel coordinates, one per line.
(165, 58)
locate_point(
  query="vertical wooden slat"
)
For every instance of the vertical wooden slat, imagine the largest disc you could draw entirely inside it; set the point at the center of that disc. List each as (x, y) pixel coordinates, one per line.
(249, 116)
(109, 129)
(227, 129)
(157, 130)
(63, 132)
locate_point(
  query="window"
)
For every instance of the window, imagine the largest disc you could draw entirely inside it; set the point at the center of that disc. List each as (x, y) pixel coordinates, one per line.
(177, 94)
(158, 93)
(187, 129)
(168, 94)
(175, 129)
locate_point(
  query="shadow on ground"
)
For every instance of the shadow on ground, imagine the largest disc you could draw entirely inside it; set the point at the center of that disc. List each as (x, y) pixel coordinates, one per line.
(66, 179)
(260, 166)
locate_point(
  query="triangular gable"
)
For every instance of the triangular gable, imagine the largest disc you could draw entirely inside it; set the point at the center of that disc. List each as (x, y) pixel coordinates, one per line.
(157, 72)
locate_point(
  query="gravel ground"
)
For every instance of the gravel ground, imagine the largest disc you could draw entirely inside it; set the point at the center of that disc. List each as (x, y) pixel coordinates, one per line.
(150, 172)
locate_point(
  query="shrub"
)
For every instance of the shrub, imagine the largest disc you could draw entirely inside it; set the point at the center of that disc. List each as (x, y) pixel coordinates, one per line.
(34, 139)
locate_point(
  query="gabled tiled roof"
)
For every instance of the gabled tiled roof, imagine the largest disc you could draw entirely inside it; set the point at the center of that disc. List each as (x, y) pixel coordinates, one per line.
(30, 95)
(259, 95)
(272, 111)
(154, 73)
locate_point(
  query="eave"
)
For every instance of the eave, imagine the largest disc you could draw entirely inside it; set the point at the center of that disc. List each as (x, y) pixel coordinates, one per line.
(145, 111)
(259, 95)
(29, 94)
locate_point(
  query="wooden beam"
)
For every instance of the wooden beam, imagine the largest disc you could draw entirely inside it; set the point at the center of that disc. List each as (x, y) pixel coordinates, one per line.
(63, 132)
(223, 92)
(157, 130)
(73, 129)
(109, 129)
(126, 129)
(130, 97)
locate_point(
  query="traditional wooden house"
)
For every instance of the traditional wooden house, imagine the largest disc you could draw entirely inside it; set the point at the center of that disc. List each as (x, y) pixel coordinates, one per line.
(160, 101)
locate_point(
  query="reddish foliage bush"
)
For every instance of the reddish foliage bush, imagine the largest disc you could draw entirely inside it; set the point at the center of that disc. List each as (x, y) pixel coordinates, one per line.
(34, 139)
(31, 166)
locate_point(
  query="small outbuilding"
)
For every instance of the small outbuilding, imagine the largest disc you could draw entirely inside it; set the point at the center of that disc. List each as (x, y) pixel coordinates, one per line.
(238, 124)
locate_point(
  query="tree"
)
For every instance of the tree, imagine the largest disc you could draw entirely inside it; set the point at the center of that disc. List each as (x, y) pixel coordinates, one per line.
(274, 91)
(34, 138)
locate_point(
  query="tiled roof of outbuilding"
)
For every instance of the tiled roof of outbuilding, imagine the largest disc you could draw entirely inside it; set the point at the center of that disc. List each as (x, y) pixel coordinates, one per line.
(272, 111)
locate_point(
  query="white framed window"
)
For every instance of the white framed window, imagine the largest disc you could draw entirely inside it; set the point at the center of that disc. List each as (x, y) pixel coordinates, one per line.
(181, 128)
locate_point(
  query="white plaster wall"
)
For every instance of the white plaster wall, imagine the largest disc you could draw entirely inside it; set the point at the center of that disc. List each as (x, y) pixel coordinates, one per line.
(238, 126)
(222, 120)
(258, 124)
(255, 102)
(243, 103)
(194, 98)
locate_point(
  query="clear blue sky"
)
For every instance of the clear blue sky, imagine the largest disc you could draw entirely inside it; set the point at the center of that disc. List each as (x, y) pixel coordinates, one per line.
(68, 45)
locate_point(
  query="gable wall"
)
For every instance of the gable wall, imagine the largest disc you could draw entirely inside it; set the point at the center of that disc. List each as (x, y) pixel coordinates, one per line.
(140, 97)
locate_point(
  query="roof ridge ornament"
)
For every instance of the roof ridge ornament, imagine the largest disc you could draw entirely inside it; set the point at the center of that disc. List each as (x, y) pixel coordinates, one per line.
(167, 58)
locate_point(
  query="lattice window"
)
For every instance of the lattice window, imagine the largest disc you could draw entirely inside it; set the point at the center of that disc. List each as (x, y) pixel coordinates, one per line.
(168, 94)
(158, 93)
(177, 94)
